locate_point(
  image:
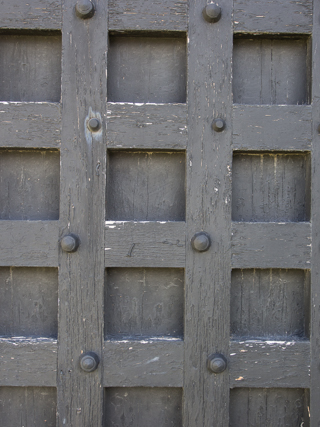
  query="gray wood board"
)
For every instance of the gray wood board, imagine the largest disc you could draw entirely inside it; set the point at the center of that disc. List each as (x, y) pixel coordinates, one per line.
(145, 244)
(28, 362)
(147, 126)
(271, 245)
(30, 125)
(269, 364)
(149, 363)
(29, 243)
(273, 16)
(269, 127)
(168, 15)
(35, 14)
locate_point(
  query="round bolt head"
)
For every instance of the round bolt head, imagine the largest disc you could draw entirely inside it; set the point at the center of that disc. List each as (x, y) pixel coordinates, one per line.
(70, 243)
(200, 241)
(94, 124)
(84, 9)
(212, 12)
(218, 125)
(89, 361)
(217, 363)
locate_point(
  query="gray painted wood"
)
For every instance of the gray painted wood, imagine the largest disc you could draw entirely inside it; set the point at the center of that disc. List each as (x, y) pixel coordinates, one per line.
(271, 71)
(28, 362)
(146, 244)
(146, 363)
(30, 125)
(29, 243)
(35, 14)
(30, 67)
(147, 126)
(142, 406)
(255, 363)
(267, 127)
(168, 15)
(28, 406)
(145, 186)
(82, 202)
(273, 16)
(271, 187)
(209, 158)
(147, 69)
(269, 407)
(271, 245)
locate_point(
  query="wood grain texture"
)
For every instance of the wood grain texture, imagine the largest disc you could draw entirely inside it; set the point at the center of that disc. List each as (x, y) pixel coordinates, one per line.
(168, 15)
(28, 362)
(31, 243)
(271, 245)
(146, 244)
(268, 127)
(274, 16)
(256, 363)
(35, 14)
(30, 125)
(148, 363)
(209, 157)
(147, 126)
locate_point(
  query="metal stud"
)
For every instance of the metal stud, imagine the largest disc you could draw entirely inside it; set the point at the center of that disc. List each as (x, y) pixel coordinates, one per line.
(89, 361)
(212, 12)
(94, 124)
(217, 363)
(84, 9)
(201, 241)
(218, 125)
(70, 243)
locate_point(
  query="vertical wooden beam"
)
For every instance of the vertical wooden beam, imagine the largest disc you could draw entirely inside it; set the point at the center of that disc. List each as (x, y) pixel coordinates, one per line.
(82, 207)
(208, 274)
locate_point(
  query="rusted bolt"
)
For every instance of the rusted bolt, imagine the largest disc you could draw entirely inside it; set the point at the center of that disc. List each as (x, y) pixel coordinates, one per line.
(70, 243)
(89, 361)
(218, 125)
(200, 242)
(84, 9)
(217, 363)
(94, 124)
(212, 12)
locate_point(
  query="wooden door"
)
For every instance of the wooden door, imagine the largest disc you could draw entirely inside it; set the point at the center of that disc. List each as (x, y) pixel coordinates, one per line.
(183, 157)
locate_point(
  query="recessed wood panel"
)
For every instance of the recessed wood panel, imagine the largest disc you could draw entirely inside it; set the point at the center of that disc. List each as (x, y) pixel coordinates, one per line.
(30, 67)
(143, 406)
(271, 71)
(147, 69)
(278, 407)
(28, 302)
(271, 187)
(28, 406)
(270, 303)
(29, 184)
(144, 302)
(146, 186)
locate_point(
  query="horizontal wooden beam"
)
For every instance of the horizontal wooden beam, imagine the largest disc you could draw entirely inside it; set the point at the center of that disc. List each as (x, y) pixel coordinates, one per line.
(271, 245)
(269, 364)
(28, 362)
(273, 16)
(29, 243)
(144, 244)
(143, 363)
(152, 15)
(30, 125)
(35, 14)
(271, 127)
(147, 126)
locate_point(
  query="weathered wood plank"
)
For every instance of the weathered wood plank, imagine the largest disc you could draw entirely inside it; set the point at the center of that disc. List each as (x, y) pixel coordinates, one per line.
(30, 125)
(269, 127)
(271, 245)
(35, 14)
(273, 16)
(149, 363)
(28, 362)
(147, 126)
(144, 244)
(168, 15)
(29, 243)
(269, 364)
